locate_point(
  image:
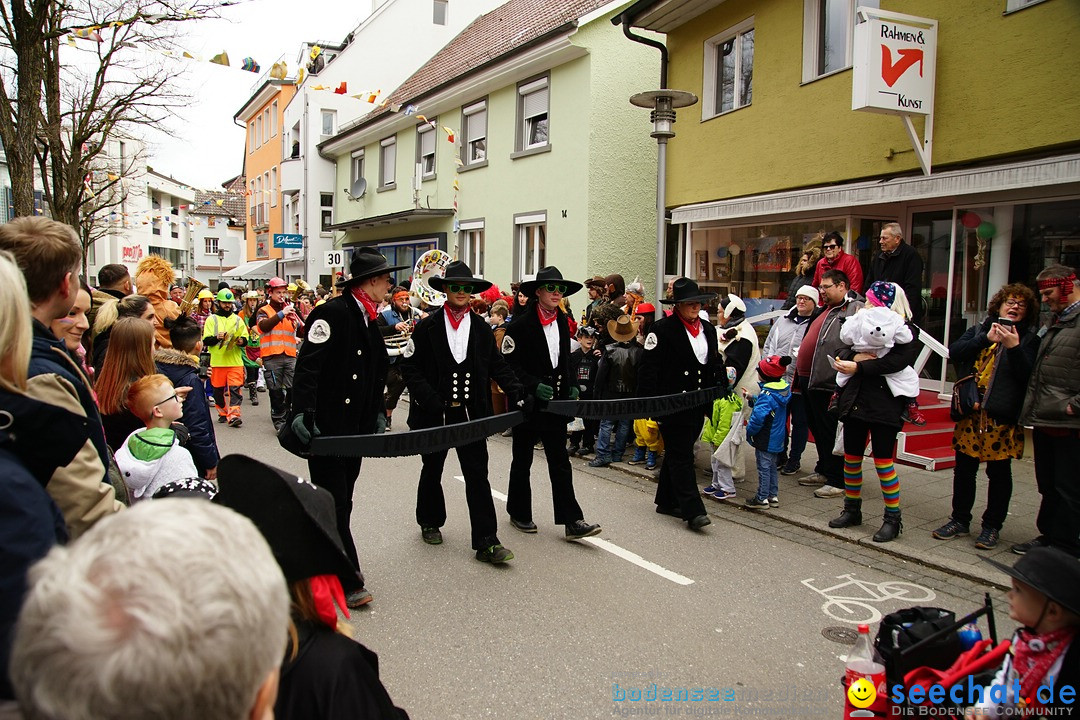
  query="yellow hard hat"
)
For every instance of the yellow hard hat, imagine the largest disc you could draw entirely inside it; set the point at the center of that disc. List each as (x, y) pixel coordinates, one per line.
(205, 294)
(292, 287)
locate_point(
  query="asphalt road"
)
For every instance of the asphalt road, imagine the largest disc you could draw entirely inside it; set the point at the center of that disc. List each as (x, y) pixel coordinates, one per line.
(574, 629)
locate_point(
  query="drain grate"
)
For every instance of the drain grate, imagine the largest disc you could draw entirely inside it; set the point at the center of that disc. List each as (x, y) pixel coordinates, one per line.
(840, 634)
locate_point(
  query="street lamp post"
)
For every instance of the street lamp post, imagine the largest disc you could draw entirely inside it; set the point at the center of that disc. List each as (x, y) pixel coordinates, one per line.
(663, 103)
(220, 264)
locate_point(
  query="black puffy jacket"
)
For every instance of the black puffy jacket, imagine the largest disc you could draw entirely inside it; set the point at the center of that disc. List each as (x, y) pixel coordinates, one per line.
(1012, 368)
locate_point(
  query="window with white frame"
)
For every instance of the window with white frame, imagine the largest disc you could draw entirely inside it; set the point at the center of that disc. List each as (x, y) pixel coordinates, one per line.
(728, 79)
(211, 246)
(356, 167)
(273, 186)
(258, 131)
(531, 243)
(251, 136)
(328, 118)
(273, 119)
(472, 245)
(533, 114)
(474, 125)
(326, 203)
(425, 149)
(439, 9)
(828, 34)
(266, 125)
(388, 162)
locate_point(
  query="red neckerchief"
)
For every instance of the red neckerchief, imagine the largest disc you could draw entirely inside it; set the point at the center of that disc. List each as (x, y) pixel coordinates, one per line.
(692, 328)
(1034, 654)
(326, 590)
(545, 318)
(370, 305)
(454, 316)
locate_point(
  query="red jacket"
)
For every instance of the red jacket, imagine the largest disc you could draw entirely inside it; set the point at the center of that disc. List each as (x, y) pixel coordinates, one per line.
(848, 264)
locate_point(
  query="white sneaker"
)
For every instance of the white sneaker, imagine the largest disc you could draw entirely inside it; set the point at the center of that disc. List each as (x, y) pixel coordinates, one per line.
(829, 491)
(774, 502)
(813, 479)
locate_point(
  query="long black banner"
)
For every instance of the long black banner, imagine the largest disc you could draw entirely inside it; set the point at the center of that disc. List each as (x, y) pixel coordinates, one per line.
(634, 408)
(414, 442)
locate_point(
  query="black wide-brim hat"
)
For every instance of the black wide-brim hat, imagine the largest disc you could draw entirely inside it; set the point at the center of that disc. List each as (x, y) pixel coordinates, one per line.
(459, 273)
(549, 274)
(1050, 570)
(686, 290)
(367, 262)
(296, 518)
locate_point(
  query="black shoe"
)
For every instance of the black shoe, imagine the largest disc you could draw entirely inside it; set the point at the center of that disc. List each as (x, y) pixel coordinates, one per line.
(236, 422)
(253, 397)
(494, 555)
(581, 529)
(890, 529)
(572, 450)
(431, 535)
(223, 418)
(525, 526)
(850, 517)
(988, 539)
(1023, 548)
(698, 522)
(673, 512)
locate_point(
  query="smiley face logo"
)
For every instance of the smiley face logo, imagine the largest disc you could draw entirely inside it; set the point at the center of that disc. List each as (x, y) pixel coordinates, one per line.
(861, 693)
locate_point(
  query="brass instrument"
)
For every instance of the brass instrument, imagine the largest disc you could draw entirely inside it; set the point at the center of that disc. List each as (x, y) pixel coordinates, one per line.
(301, 288)
(395, 344)
(194, 287)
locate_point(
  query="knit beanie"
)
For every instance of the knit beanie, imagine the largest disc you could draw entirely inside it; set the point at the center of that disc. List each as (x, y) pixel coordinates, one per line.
(809, 291)
(772, 367)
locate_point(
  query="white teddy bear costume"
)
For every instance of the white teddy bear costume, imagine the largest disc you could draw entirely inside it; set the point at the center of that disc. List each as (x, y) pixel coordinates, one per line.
(876, 330)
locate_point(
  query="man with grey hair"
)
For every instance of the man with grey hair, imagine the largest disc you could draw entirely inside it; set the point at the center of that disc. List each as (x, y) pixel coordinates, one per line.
(174, 609)
(900, 263)
(1052, 408)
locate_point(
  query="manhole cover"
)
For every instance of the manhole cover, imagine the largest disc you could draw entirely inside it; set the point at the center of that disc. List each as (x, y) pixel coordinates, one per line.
(840, 634)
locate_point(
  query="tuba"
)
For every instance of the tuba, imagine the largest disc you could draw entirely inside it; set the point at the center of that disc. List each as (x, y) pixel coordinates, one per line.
(430, 264)
(302, 288)
(194, 287)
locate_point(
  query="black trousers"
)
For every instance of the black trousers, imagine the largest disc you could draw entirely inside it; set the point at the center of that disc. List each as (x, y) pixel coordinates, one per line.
(431, 503)
(1055, 474)
(395, 385)
(998, 491)
(338, 477)
(551, 431)
(677, 485)
(823, 426)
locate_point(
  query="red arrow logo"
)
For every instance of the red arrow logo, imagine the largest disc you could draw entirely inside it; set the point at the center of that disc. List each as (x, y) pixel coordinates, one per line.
(890, 73)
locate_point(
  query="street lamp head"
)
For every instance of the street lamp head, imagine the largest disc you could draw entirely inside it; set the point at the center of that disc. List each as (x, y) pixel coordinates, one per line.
(663, 103)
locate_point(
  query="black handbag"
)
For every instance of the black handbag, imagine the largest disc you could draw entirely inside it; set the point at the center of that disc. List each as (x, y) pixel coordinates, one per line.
(903, 628)
(965, 398)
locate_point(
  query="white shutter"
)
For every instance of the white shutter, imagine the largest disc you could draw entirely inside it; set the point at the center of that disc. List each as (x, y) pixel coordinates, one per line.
(389, 159)
(535, 103)
(477, 125)
(427, 142)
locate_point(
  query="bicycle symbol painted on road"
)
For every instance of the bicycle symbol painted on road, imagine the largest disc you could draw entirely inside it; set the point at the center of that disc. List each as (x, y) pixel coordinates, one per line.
(855, 607)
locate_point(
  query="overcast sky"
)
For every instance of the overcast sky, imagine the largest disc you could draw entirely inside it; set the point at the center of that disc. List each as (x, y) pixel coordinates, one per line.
(204, 147)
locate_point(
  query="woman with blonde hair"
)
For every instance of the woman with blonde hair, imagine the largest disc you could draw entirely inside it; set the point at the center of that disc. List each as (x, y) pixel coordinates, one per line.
(130, 356)
(32, 523)
(804, 274)
(132, 306)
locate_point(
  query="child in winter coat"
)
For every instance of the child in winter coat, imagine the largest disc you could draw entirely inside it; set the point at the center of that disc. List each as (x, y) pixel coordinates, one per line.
(767, 428)
(616, 379)
(152, 457)
(584, 363)
(719, 429)
(876, 329)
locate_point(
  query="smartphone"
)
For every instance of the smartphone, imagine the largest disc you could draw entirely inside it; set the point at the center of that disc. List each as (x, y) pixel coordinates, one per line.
(1006, 322)
(832, 361)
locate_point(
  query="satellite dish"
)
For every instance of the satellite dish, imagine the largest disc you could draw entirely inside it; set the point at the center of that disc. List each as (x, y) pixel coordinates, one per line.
(358, 188)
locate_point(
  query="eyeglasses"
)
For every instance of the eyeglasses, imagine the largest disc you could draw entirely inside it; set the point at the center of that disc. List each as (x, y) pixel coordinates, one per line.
(456, 287)
(174, 396)
(829, 247)
(555, 288)
(825, 287)
(1014, 303)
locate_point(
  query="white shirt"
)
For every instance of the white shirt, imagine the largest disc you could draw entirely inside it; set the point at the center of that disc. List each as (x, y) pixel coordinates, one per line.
(700, 344)
(458, 338)
(551, 334)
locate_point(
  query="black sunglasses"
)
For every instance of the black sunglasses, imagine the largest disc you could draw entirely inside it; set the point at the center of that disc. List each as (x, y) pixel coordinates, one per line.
(829, 247)
(555, 287)
(455, 287)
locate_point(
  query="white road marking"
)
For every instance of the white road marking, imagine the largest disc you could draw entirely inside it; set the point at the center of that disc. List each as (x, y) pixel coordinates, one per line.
(617, 551)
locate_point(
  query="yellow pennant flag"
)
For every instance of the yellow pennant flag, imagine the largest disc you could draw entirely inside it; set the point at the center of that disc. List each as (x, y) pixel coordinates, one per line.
(221, 58)
(279, 70)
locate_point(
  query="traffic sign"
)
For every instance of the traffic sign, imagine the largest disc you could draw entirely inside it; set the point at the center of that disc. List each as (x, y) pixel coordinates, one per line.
(288, 240)
(335, 258)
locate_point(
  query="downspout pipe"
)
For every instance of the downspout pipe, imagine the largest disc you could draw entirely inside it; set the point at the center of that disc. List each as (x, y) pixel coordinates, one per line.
(626, 20)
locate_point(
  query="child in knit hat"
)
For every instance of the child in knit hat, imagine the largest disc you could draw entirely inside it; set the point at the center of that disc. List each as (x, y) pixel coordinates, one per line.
(767, 428)
(876, 329)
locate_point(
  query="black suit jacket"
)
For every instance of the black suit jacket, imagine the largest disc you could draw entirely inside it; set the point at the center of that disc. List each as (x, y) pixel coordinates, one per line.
(670, 365)
(435, 379)
(341, 369)
(525, 348)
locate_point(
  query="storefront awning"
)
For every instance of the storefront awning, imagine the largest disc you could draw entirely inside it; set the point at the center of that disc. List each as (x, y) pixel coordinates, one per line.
(392, 218)
(255, 270)
(1058, 170)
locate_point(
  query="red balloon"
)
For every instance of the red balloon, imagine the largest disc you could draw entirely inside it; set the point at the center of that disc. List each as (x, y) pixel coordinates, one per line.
(970, 220)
